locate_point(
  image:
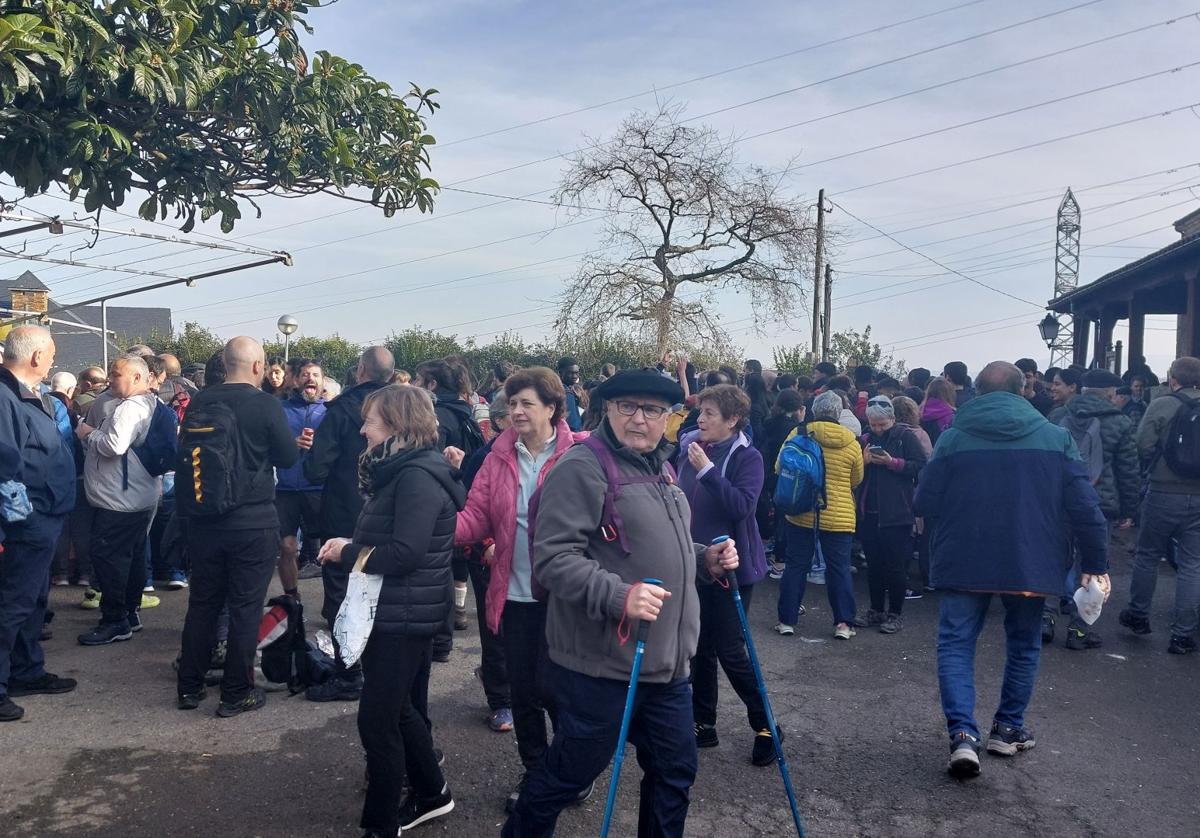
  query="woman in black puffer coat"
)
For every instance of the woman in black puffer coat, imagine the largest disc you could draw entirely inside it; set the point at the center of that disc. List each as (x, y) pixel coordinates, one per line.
(407, 523)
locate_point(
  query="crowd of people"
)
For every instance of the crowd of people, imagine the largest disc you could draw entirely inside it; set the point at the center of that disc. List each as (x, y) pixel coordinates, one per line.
(577, 509)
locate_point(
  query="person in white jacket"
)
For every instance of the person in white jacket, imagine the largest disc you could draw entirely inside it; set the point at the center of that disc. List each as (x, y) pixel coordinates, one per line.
(124, 495)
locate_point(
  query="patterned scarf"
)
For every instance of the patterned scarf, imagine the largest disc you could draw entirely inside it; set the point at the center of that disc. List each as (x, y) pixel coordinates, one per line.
(372, 458)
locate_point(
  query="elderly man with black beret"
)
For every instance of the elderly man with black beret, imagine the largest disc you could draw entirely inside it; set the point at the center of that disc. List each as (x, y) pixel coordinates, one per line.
(592, 561)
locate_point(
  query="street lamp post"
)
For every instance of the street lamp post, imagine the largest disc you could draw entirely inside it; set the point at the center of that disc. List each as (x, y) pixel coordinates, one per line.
(287, 326)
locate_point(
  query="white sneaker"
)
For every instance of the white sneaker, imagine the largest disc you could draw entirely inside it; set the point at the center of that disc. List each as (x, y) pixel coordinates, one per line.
(843, 632)
(784, 629)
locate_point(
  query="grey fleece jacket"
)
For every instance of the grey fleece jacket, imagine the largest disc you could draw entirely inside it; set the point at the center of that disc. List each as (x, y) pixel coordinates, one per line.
(1151, 436)
(589, 578)
(123, 424)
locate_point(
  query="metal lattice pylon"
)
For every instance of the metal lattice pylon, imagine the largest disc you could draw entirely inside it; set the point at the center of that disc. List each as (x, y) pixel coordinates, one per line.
(1066, 276)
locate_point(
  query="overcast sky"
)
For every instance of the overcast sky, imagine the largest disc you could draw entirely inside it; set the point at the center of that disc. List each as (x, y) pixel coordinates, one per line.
(500, 64)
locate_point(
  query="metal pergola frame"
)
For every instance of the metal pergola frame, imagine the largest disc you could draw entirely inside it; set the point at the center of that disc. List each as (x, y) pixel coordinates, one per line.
(57, 225)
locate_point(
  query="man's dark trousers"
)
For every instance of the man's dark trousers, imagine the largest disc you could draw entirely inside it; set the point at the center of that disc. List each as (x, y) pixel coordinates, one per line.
(234, 567)
(24, 586)
(589, 722)
(118, 560)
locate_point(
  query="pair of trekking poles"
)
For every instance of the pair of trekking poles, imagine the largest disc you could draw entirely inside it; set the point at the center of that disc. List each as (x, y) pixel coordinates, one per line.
(639, 650)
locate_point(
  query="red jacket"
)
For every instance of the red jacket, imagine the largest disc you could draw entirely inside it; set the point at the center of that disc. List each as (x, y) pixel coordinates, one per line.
(491, 510)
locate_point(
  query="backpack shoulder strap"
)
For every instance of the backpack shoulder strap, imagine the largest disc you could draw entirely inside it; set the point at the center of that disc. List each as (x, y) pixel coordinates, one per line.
(610, 519)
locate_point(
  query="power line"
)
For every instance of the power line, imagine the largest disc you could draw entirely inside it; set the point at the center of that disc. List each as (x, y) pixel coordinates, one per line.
(1025, 147)
(935, 261)
(891, 61)
(970, 77)
(659, 89)
(529, 196)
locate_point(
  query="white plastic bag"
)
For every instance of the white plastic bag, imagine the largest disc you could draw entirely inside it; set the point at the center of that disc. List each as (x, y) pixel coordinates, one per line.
(1089, 601)
(355, 618)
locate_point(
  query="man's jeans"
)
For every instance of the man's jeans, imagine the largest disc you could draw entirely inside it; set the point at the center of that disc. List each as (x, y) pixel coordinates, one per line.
(661, 730)
(1166, 517)
(960, 622)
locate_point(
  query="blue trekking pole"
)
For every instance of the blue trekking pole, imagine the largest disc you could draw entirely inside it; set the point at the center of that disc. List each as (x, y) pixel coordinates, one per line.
(762, 691)
(619, 756)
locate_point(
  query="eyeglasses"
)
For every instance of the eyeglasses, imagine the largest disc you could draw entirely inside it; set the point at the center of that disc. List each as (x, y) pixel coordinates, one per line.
(650, 411)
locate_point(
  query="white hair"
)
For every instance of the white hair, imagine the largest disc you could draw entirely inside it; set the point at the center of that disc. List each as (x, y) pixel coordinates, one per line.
(62, 382)
(136, 362)
(23, 341)
(827, 406)
(880, 407)
(332, 389)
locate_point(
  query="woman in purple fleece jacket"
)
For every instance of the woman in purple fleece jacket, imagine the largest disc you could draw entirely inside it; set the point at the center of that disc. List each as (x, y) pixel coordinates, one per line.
(722, 475)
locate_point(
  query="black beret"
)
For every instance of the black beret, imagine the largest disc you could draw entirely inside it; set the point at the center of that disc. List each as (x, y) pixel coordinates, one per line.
(643, 382)
(1100, 380)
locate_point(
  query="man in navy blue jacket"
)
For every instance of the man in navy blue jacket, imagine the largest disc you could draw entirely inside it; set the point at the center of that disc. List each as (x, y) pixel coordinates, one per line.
(47, 468)
(1009, 493)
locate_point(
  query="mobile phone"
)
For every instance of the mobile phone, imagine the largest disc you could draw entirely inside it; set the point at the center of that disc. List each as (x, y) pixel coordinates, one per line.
(875, 449)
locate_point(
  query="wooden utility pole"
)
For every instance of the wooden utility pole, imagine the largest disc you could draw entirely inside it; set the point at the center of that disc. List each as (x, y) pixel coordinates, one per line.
(826, 327)
(816, 344)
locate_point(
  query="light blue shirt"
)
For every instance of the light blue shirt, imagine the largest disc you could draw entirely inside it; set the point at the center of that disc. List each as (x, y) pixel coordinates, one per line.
(520, 576)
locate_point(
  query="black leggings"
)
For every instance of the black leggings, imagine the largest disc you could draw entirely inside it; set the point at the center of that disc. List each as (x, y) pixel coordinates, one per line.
(889, 550)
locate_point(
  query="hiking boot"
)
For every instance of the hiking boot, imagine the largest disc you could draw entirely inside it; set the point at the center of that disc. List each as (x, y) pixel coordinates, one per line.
(460, 619)
(1079, 638)
(585, 794)
(441, 656)
(135, 621)
(1047, 629)
(891, 624)
(873, 618)
(415, 810)
(48, 684)
(763, 751)
(1007, 741)
(254, 700)
(785, 629)
(335, 689)
(190, 701)
(106, 633)
(1137, 625)
(706, 736)
(515, 794)
(1181, 645)
(218, 655)
(9, 711)
(964, 756)
(843, 632)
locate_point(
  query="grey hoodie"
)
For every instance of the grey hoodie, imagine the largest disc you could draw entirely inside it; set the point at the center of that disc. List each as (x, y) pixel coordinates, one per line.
(589, 578)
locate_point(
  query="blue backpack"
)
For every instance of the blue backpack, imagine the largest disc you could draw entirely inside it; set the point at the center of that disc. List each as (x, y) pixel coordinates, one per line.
(800, 487)
(158, 450)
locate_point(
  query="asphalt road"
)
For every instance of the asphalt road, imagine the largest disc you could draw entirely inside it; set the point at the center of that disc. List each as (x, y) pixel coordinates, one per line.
(1116, 755)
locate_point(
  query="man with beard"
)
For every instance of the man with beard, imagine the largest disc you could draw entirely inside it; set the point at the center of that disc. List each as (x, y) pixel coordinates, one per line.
(297, 499)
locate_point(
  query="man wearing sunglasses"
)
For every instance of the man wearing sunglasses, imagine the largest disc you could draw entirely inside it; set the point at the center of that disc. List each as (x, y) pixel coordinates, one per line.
(593, 561)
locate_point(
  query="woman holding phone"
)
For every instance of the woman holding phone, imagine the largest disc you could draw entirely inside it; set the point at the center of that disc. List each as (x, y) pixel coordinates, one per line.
(893, 458)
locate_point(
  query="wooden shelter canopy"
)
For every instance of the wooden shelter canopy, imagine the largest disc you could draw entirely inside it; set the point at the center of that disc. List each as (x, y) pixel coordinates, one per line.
(1166, 281)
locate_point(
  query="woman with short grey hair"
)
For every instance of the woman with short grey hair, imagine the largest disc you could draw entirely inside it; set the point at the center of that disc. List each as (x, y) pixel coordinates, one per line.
(833, 529)
(894, 457)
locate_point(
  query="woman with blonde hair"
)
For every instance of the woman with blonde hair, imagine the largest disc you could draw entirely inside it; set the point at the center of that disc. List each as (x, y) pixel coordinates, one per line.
(405, 534)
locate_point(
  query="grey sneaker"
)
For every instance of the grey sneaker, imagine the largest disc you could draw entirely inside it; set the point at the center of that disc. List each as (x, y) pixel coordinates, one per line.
(891, 624)
(964, 756)
(1007, 741)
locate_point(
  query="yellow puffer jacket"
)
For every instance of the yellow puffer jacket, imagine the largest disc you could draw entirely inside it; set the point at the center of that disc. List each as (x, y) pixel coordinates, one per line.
(843, 472)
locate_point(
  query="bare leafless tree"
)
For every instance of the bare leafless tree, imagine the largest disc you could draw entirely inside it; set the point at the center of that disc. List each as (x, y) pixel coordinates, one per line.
(687, 221)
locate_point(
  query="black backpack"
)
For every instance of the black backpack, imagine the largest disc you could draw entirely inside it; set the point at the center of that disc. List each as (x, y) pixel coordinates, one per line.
(209, 463)
(290, 658)
(1182, 447)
